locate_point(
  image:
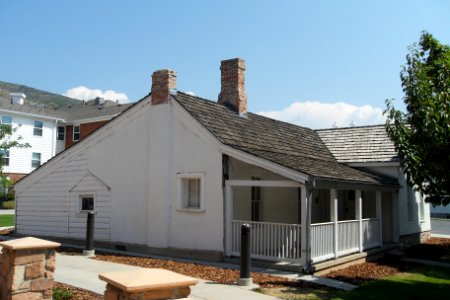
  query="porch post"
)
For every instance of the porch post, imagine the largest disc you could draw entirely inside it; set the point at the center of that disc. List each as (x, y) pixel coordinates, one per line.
(334, 218)
(303, 225)
(228, 217)
(395, 216)
(358, 207)
(379, 216)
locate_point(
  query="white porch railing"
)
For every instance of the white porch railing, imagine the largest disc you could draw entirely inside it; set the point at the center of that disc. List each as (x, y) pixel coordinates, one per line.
(323, 238)
(371, 233)
(269, 241)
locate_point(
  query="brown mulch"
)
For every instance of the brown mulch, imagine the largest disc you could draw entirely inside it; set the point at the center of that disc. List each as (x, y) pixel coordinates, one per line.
(365, 272)
(78, 294)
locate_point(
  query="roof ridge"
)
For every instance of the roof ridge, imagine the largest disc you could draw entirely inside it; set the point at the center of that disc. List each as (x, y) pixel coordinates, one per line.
(350, 127)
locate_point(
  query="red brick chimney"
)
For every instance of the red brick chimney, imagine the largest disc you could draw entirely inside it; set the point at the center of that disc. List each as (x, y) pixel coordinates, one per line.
(232, 92)
(163, 83)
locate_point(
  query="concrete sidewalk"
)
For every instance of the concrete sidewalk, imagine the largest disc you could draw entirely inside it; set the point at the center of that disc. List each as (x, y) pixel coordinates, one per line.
(82, 272)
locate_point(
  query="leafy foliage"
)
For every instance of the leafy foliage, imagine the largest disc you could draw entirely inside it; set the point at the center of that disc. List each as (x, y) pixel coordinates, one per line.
(60, 294)
(422, 135)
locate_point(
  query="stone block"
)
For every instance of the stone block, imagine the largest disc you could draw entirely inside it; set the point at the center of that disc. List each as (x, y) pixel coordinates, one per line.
(41, 284)
(27, 296)
(51, 263)
(35, 270)
(15, 279)
(27, 257)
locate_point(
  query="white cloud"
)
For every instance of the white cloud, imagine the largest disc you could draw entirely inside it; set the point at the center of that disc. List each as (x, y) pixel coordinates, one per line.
(190, 93)
(84, 93)
(315, 114)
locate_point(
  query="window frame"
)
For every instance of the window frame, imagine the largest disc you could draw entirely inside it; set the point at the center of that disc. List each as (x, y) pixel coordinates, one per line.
(78, 132)
(37, 129)
(33, 160)
(6, 123)
(183, 191)
(59, 134)
(81, 197)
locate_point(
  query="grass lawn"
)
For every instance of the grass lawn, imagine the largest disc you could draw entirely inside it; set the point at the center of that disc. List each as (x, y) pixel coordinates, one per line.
(7, 220)
(420, 282)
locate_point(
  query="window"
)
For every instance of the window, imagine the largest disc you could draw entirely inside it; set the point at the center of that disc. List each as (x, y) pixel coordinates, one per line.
(191, 191)
(256, 201)
(6, 121)
(76, 133)
(5, 157)
(410, 203)
(37, 128)
(87, 203)
(35, 160)
(61, 133)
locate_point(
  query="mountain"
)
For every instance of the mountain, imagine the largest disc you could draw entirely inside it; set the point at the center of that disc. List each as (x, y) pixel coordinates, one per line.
(36, 96)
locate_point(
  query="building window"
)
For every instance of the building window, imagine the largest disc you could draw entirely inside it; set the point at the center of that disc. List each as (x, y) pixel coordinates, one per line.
(87, 203)
(35, 160)
(7, 120)
(76, 133)
(256, 201)
(61, 133)
(410, 203)
(191, 191)
(37, 128)
(5, 157)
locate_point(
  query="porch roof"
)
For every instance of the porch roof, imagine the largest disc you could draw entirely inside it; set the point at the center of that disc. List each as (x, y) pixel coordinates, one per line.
(295, 147)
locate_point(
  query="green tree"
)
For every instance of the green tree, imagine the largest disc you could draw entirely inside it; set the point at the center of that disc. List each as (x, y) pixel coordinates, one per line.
(422, 135)
(7, 141)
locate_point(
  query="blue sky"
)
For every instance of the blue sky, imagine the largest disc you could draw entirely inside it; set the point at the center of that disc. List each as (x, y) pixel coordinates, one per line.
(314, 63)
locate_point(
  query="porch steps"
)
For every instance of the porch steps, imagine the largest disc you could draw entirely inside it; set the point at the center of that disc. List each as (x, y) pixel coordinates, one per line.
(346, 261)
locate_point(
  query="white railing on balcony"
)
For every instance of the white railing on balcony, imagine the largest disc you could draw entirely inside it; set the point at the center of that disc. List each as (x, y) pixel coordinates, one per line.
(323, 238)
(371, 233)
(269, 241)
(322, 241)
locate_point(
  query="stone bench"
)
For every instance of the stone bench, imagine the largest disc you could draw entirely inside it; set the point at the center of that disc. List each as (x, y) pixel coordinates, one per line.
(147, 284)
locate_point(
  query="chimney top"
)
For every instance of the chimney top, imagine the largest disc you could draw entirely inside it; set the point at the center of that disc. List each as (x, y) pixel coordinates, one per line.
(232, 93)
(164, 83)
(17, 98)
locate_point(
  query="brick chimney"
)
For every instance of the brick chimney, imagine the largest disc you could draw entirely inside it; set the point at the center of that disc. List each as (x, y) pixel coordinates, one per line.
(164, 82)
(232, 92)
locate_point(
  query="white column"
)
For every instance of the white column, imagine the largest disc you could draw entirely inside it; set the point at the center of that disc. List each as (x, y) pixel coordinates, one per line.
(358, 208)
(395, 216)
(228, 217)
(379, 216)
(334, 218)
(304, 247)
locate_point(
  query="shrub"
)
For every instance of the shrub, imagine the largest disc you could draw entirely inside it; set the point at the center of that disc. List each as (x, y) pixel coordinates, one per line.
(60, 294)
(9, 204)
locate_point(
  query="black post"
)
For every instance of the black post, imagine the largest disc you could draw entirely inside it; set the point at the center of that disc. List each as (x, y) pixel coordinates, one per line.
(245, 278)
(89, 251)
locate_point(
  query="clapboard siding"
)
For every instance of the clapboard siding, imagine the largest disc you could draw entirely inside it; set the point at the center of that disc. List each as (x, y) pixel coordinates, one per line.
(51, 206)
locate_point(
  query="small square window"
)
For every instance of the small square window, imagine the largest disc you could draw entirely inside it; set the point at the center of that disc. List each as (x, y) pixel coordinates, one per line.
(7, 120)
(76, 133)
(191, 191)
(5, 157)
(37, 128)
(35, 160)
(87, 203)
(61, 133)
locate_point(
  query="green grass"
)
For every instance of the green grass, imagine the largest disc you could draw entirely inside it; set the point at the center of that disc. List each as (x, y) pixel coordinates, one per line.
(420, 282)
(7, 220)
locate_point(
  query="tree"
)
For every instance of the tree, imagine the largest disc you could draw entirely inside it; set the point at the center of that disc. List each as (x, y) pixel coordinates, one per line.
(422, 135)
(7, 141)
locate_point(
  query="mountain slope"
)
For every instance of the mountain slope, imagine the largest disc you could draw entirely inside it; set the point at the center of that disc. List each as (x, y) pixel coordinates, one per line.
(36, 96)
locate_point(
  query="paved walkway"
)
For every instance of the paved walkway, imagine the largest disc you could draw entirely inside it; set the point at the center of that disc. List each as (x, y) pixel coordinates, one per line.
(7, 211)
(83, 272)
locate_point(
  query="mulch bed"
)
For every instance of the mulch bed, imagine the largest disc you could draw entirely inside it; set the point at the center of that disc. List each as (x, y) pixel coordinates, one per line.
(437, 249)
(78, 294)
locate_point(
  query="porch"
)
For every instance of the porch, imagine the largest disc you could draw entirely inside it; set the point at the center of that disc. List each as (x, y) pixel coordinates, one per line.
(291, 223)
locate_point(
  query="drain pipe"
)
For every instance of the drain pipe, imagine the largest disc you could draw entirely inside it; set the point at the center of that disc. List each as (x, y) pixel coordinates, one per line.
(311, 185)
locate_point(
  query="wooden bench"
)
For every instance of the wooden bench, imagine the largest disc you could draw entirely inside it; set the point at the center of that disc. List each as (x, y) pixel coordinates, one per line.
(147, 284)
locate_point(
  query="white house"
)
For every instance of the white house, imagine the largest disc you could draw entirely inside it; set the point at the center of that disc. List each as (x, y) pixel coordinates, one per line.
(48, 131)
(179, 174)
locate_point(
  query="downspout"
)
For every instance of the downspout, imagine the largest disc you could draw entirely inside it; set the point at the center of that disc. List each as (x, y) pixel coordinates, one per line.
(310, 186)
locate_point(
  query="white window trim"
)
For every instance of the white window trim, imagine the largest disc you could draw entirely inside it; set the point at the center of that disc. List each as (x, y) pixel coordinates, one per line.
(73, 133)
(41, 128)
(190, 175)
(63, 134)
(32, 159)
(80, 202)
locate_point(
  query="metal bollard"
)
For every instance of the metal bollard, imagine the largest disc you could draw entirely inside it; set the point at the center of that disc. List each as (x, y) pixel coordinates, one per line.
(245, 278)
(89, 249)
